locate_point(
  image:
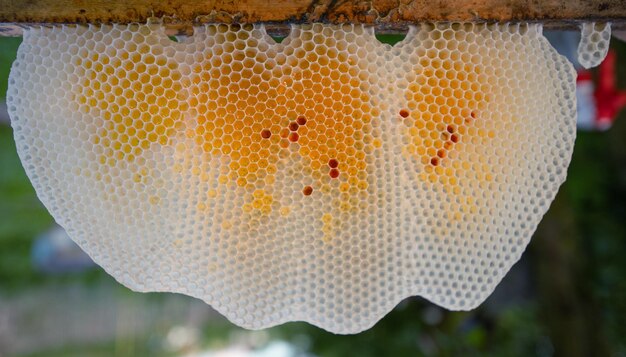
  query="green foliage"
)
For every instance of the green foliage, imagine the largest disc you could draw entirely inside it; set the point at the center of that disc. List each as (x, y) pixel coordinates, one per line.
(7, 55)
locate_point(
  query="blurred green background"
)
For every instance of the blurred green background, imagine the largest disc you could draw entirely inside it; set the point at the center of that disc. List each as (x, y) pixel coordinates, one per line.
(566, 297)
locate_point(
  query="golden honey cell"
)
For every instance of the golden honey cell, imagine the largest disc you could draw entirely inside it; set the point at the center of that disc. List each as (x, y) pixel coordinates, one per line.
(324, 178)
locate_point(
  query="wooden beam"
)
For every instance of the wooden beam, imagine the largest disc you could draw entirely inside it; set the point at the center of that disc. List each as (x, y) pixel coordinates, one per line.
(387, 15)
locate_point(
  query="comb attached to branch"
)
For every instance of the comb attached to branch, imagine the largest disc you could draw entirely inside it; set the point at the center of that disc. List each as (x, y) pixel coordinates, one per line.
(324, 178)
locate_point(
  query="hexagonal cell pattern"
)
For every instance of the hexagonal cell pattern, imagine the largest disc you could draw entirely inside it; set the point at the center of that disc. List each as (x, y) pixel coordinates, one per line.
(323, 178)
(594, 43)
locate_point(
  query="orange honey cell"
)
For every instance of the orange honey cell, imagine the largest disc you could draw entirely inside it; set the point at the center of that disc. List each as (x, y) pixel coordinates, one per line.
(293, 126)
(301, 120)
(293, 137)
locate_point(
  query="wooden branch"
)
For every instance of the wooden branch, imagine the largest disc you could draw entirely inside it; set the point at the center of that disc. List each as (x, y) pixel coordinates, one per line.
(387, 15)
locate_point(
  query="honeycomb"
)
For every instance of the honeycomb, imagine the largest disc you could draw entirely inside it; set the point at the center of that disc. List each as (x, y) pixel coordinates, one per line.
(594, 43)
(323, 178)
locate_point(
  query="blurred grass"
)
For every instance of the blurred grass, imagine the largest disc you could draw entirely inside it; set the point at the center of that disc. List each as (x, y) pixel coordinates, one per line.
(215, 336)
(119, 349)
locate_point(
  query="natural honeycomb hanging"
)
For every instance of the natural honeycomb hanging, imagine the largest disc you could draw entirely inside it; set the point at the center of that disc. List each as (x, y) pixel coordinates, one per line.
(323, 178)
(594, 43)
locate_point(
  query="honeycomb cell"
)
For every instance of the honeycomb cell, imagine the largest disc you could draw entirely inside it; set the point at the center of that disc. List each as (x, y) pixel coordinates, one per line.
(594, 43)
(323, 178)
